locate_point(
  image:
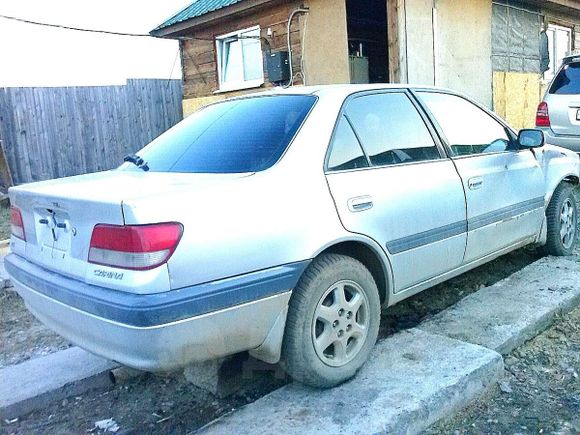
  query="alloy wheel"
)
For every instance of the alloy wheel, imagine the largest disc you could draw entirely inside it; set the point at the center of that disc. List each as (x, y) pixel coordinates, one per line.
(340, 323)
(567, 223)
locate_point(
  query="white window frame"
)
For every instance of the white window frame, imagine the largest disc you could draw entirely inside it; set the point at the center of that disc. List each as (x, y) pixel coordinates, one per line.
(555, 63)
(238, 84)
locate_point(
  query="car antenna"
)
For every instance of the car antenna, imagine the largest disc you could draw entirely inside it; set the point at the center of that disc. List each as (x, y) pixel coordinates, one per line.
(137, 161)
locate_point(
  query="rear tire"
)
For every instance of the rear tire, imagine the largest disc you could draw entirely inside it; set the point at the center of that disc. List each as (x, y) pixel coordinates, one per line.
(562, 222)
(333, 322)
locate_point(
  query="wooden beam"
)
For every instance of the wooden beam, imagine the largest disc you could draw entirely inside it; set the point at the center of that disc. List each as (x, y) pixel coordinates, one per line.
(393, 41)
(397, 41)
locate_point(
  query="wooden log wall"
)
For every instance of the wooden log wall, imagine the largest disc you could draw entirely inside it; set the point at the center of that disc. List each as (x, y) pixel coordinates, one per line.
(199, 57)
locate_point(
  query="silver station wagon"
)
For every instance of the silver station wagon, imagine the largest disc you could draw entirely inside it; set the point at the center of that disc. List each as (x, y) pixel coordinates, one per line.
(281, 223)
(558, 115)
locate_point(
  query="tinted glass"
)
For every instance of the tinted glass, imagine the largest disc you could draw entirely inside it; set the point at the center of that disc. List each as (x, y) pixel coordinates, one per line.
(246, 135)
(391, 130)
(467, 128)
(345, 151)
(567, 82)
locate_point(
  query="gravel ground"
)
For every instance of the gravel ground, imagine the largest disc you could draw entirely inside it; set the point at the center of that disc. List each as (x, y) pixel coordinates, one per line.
(540, 392)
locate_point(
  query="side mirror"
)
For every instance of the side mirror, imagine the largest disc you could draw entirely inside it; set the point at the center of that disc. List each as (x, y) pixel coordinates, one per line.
(531, 138)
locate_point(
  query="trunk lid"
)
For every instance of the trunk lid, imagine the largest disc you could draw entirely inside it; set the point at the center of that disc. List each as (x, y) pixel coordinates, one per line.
(59, 215)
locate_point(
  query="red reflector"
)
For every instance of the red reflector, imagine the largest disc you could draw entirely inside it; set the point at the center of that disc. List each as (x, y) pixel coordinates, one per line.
(16, 223)
(134, 246)
(542, 115)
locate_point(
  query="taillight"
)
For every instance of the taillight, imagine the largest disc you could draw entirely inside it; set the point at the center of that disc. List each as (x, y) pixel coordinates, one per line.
(137, 247)
(542, 115)
(16, 223)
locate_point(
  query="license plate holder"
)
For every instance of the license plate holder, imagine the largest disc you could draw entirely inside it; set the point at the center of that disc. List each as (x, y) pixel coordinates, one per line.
(577, 114)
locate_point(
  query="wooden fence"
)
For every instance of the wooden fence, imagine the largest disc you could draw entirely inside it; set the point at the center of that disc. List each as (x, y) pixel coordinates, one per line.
(56, 132)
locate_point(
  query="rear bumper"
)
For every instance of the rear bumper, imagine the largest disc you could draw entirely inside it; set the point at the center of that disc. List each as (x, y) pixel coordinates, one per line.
(140, 341)
(564, 141)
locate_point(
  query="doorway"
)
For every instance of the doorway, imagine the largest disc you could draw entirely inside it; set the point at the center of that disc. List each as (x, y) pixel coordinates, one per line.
(367, 41)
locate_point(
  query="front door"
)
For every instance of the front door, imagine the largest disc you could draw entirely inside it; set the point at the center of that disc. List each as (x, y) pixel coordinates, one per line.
(390, 181)
(504, 185)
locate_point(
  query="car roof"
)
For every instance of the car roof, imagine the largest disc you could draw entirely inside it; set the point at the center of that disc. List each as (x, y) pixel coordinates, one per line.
(346, 89)
(571, 58)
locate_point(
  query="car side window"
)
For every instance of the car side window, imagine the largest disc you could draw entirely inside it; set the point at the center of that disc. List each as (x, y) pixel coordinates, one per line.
(391, 130)
(345, 150)
(468, 129)
(567, 82)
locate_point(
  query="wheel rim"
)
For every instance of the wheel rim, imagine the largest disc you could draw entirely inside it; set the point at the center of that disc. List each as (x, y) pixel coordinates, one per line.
(340, 324)
(567, 223)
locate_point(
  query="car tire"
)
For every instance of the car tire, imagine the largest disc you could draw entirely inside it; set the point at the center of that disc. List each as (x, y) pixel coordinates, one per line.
(562, 222)
(329, 337)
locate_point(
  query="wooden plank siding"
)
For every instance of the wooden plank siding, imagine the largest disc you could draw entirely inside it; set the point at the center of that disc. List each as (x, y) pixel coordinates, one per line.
(58, 132)
(199, 57)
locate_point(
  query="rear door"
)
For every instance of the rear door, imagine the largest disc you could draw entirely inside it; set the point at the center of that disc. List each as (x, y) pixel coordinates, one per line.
(563, 99)
(504, 186)
(390, 181)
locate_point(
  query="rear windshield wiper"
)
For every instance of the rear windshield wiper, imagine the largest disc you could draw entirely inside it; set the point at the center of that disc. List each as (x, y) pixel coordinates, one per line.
(137, 161)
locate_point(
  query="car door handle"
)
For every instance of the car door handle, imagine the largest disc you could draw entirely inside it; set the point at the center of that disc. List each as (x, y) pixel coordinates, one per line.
(475, 183)
(360, 203)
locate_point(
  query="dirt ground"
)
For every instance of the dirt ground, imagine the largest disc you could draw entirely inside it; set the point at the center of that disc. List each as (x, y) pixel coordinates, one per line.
(154, 404)
(540, 392)
(22, 336)
(4, 220)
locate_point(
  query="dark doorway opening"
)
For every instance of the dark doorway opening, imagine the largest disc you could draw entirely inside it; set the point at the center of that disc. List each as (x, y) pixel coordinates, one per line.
(367, 41)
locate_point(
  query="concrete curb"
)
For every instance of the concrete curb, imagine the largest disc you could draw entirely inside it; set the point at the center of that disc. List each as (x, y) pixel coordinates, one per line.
(35, 383)
(514, 310)
(411, 380)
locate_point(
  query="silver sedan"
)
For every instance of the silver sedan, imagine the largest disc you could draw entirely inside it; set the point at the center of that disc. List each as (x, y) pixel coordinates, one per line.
(281, 223)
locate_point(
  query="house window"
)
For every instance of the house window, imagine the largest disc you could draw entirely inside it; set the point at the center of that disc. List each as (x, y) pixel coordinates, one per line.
(239, 57)
(559, 46)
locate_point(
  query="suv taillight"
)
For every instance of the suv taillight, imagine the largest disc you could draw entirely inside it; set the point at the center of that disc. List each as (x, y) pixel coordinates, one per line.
(136, 247)
(16, 223)
(542, 115)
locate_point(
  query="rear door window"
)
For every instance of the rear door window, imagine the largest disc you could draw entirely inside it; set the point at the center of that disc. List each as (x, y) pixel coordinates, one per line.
(345, 152)
(245, 135)
(391, 129)
(567, 82)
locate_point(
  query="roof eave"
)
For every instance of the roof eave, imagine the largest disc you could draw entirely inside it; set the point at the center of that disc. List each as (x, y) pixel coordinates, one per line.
(563, 6)
(179, 29)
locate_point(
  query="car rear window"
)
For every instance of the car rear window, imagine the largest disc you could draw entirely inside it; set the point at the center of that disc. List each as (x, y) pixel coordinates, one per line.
(567, 82)
(245, 135)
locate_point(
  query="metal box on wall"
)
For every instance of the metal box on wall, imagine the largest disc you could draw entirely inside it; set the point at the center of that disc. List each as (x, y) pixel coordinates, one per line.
(277, 66)
(359, 69)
